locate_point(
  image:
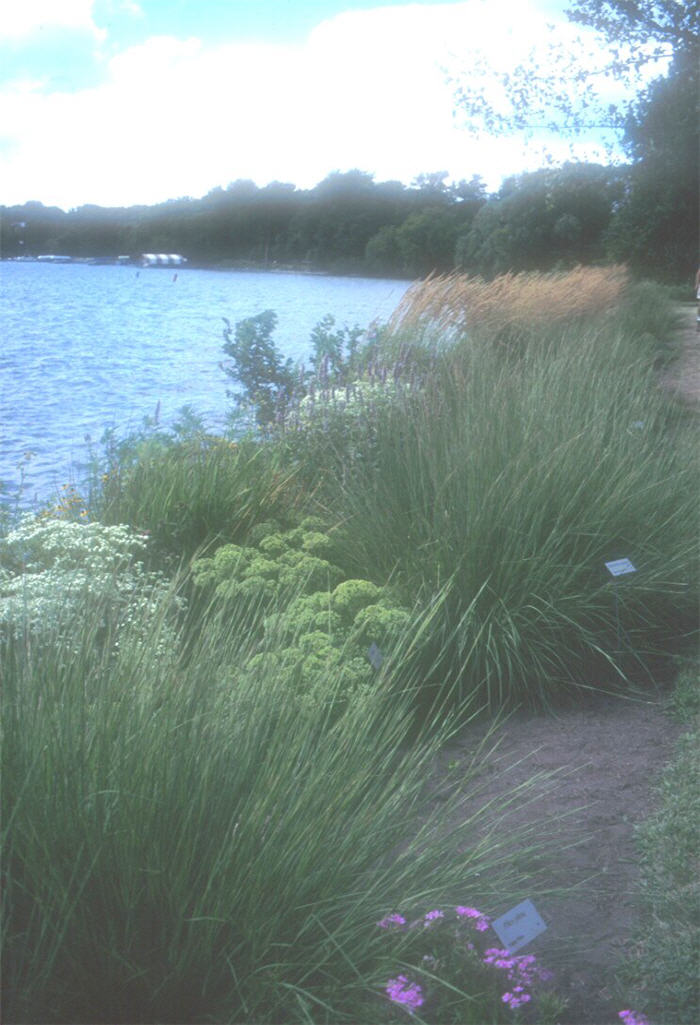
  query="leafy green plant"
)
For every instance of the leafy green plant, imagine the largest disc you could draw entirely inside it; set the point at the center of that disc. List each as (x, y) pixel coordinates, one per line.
(318, 619)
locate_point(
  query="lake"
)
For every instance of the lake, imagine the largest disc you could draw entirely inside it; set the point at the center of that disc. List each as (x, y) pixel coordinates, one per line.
(84, 348)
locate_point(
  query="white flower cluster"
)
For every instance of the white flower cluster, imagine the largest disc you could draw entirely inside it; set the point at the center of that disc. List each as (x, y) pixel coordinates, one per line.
(49, 567)
(40, 543)
(355, 400)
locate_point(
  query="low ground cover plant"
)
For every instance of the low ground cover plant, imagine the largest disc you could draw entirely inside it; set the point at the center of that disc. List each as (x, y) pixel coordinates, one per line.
(452, 969)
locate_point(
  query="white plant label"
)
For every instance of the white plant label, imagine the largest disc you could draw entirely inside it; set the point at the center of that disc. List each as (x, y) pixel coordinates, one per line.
(518, 926)
(375, 656)
(619, 567)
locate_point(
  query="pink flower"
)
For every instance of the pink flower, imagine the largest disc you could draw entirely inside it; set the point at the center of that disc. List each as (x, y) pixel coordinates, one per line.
(633, 1018)
(390, 920)
(516, 998)
(433, 916)
(463, 912)
(404, 992)
(481, 921)
(499, 958)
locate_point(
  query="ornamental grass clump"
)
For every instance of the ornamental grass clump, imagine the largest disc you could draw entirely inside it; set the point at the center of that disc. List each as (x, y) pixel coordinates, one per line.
(189, 492)
(184, 842)
(507, 485)
(456, 304)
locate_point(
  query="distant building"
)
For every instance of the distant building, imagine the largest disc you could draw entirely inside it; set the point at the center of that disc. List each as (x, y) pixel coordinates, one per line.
(162, 260)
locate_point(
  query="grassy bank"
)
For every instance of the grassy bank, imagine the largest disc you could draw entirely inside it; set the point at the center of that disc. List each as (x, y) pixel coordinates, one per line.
(186, 840)
(662, 972)
(228, 666)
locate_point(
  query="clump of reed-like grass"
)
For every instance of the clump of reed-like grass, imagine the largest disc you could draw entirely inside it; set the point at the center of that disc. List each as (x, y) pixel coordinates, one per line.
(186, 841)
(187, 493)
(511, 483)
(457, 303)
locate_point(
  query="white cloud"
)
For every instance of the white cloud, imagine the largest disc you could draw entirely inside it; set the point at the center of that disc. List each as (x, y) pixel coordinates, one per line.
(174, 117)
(26, 17)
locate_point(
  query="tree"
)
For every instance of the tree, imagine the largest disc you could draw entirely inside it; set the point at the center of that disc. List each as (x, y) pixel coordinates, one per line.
(570, 100)
(543, 220)
(268, 381)
(655, 222)
(672, 25)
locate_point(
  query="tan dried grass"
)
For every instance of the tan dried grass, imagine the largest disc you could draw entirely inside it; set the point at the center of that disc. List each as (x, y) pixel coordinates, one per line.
(525, 300)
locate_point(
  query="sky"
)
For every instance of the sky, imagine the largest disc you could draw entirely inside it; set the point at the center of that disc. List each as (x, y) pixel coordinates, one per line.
(124, 102)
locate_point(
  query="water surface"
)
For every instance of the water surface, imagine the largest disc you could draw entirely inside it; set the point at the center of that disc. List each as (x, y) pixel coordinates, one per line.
(84, 348)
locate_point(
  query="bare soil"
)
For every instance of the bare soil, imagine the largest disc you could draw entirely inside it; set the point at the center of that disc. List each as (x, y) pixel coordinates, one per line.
(683, 377)
(607, 755)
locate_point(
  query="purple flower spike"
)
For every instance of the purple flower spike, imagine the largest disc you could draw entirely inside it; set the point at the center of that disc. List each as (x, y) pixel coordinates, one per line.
(433, 916)
(404, 992)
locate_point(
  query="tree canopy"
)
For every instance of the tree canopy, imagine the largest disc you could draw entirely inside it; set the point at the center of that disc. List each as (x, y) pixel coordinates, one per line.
(559, 92)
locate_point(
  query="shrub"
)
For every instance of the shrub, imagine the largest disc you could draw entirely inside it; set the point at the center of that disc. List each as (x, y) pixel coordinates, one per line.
(267, 380)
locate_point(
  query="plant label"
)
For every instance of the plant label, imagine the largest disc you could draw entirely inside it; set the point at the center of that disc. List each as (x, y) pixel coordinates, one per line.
(518, 926)
(619, 567)
(375, 656)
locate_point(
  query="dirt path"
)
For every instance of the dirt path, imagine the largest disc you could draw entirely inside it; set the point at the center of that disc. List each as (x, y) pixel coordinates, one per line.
(683, 378)
(608, 756)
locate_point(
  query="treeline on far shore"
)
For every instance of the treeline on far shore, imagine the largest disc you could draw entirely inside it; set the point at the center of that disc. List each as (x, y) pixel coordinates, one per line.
(554, 218)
